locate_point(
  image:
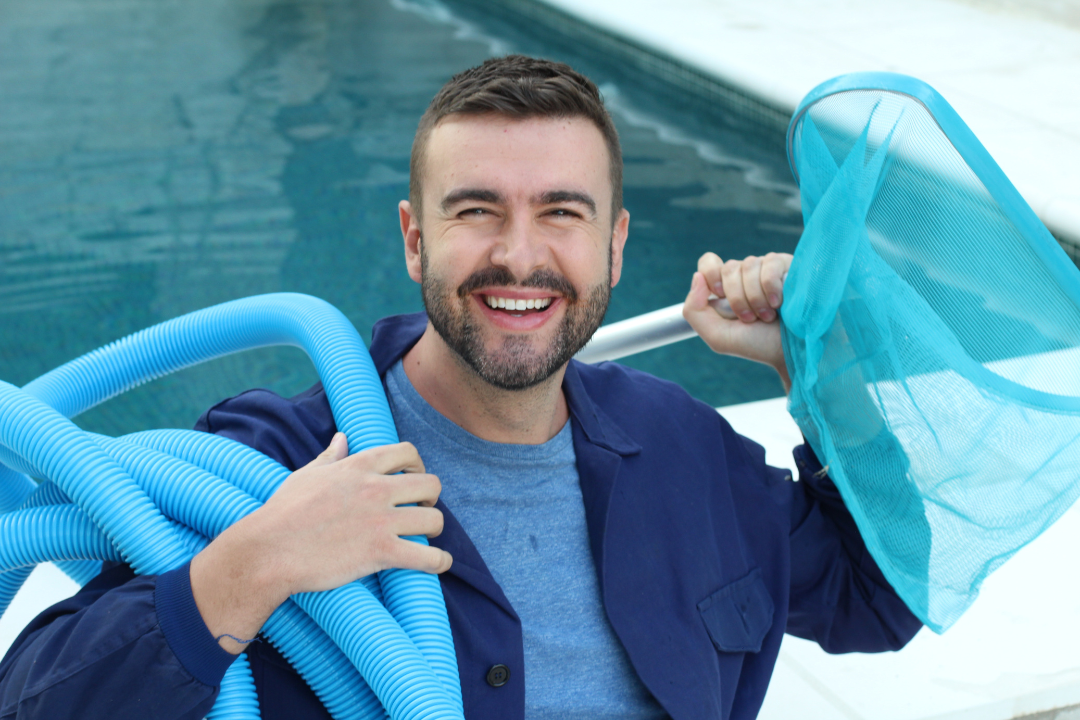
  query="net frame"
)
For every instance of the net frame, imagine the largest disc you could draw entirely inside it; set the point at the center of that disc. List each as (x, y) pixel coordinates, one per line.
(1047, 252)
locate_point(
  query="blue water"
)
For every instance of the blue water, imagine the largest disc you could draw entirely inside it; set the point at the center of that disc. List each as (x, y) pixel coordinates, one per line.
(160, 156)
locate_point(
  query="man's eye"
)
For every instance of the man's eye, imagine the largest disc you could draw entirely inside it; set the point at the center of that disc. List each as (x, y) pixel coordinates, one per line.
(473, 212)
(563, 212)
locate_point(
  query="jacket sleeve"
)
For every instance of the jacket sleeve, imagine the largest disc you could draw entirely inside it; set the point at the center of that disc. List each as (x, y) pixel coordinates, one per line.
(123, 647)
(839, 596)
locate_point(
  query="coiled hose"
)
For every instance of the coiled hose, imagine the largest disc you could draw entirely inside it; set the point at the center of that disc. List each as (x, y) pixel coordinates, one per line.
(154, 499)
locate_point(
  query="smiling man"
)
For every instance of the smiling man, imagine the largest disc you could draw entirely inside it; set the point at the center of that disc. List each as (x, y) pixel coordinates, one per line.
(517, 253)
(607, 546)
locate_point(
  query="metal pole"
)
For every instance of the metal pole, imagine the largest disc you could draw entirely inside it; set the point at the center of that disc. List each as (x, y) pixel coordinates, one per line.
(644, 332)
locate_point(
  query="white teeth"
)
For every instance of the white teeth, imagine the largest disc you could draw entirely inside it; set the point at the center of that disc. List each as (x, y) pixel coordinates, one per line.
(512, 304)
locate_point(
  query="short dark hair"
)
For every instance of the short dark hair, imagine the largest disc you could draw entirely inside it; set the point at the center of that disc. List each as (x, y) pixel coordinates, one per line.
(519, 87)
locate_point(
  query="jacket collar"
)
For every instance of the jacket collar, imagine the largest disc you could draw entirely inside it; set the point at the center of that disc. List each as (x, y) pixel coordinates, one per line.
(394, 336)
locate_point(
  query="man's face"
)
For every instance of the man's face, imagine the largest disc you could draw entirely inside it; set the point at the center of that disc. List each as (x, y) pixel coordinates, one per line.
(516, 212)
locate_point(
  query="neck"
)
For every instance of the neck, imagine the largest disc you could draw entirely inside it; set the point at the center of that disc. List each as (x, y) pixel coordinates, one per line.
(527, 417)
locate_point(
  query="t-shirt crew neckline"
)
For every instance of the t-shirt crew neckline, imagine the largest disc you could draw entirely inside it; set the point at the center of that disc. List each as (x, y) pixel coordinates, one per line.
(399, 385)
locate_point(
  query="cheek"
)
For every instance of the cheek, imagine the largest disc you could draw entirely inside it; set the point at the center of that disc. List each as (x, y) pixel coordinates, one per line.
(587, 266)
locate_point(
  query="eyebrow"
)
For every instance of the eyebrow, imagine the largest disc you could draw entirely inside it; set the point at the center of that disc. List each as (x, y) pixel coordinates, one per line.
(471, 195)
(554, 197)
(551, 197)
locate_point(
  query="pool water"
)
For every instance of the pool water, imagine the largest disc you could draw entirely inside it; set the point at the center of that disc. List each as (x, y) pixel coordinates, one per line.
(159, 156)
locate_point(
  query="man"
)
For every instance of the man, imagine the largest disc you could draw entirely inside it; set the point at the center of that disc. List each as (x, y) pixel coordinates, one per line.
(608, 547)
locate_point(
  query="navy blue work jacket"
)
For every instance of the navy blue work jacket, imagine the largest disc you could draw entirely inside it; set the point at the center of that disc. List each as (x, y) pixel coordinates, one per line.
(705, 556)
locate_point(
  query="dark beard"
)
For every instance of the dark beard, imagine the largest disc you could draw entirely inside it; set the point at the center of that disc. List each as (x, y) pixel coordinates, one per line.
(514, 366)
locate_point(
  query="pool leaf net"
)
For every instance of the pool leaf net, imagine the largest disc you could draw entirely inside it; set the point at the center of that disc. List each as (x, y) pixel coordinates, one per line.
(932, 325)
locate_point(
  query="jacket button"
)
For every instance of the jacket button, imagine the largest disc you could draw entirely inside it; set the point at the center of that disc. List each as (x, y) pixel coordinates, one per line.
(498, 675)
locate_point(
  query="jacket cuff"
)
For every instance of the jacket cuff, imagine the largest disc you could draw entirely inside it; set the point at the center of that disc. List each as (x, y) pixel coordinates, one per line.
(185, 631)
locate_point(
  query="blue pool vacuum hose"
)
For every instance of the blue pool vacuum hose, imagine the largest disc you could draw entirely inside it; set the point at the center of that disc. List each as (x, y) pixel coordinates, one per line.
(377, 647)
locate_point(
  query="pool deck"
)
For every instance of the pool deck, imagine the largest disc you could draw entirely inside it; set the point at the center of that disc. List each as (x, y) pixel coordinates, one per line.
(1012, 71)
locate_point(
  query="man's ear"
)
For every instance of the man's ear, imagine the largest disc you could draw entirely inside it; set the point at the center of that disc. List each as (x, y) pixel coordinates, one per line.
(410, 232)
(618, 242)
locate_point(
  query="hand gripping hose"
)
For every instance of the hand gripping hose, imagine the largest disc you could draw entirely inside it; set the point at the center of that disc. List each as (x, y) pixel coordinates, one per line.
(377, 646)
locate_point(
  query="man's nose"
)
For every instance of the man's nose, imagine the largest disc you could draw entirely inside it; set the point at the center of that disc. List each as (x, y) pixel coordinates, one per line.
(521, 248)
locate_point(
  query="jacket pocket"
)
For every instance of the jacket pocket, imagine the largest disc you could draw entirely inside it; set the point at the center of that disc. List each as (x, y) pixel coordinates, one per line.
(739, 614)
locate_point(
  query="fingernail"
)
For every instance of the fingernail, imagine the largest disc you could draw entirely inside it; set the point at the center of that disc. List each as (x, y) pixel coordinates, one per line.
(747, 316)
(718, 288)
(774, 300)
(783, 279)
(767, 315)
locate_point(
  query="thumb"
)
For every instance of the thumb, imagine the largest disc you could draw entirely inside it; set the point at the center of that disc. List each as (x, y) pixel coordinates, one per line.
(698, 297)
(338, 449)
(701, 316)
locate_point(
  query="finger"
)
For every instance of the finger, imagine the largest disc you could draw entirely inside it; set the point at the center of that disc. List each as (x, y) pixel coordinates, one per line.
(415, 556)
(390, 459)
(336, 450)
(414, 520)
(711, 266)
(734, 292)
(420, 488)
(755, 293)
(706, 322)
(774, 268)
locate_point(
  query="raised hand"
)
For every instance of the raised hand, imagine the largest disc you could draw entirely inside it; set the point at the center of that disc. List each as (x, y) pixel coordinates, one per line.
(753, 288)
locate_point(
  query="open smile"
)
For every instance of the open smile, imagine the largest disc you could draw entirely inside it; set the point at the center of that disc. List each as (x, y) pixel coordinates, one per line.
(517, 305)
(518, 311)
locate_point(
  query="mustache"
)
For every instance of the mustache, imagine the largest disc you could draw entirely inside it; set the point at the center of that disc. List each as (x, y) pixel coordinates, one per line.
(501, 277)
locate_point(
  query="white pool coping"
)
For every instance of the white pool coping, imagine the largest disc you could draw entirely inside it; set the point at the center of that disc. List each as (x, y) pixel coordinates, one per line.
(1012, 76)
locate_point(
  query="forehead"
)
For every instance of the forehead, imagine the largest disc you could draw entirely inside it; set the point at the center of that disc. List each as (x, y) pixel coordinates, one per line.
(515, 156)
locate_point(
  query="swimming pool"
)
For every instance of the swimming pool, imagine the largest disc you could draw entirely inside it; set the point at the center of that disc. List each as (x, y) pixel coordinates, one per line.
(157, 157)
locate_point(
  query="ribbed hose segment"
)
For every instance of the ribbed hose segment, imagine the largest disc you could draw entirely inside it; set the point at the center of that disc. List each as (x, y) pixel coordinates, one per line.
(183, 492)
(81, 571)
(322, 664)
(246, 468)
(47, 493)
(391, 664)
(417, 604)
(92, 479)
(237, 699)
(58, 532)
(14, 488)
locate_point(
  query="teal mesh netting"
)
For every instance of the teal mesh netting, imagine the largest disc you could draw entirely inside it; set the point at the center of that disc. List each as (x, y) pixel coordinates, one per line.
(932, 326)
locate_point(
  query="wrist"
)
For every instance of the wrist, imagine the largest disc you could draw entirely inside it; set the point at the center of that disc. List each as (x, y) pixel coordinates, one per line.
(236, 587)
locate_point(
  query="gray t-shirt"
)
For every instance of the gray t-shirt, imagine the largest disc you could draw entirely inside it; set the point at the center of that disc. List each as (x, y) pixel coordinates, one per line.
(521, 507)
